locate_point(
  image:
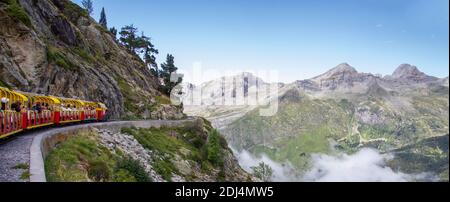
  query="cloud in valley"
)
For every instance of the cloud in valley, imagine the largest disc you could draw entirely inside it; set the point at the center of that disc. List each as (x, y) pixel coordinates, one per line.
(367, 165)
(281, 172)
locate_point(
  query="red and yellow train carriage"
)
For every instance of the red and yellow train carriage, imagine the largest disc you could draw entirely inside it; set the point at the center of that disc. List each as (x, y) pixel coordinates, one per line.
(21, 111)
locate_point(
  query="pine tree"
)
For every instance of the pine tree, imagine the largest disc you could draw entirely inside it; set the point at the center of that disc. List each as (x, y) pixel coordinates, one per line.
(88, 6)
(149, 52)
(103, 22)
(213, 149)
(113, 31)
(168, 68)
(139, 45)
(128, 37)
(150, 60)
(263, 171)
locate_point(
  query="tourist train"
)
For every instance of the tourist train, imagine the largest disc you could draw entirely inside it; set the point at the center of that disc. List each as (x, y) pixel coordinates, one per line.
(21, 111)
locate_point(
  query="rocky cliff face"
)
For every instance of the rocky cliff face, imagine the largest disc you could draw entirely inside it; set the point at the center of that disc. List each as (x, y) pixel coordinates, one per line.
(411, 73)
(343, 78)
(54, 47)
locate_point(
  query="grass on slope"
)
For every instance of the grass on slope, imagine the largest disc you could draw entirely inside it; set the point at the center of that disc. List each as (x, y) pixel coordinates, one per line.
(73, 12)
(172, 143)
(429, 155)
(133, 102)
(82, 159)
(304, 117)
(297, 150)
(56, 56)
(16, 11)
(300, 128)
(4, 84)
(428, 118)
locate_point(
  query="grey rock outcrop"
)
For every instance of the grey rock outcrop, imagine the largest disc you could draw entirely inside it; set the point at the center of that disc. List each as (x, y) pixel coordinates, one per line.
(64, 52)
(411, 73)
(130, 147)
(343, 78)
(187, 170)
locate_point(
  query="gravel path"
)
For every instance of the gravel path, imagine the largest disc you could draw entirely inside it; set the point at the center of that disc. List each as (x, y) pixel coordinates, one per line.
(15, 152)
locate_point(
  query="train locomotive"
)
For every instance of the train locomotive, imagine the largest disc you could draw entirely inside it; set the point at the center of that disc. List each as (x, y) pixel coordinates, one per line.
(22, 111)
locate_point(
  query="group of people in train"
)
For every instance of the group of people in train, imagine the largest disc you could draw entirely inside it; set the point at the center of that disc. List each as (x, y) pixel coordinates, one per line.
(21, 111)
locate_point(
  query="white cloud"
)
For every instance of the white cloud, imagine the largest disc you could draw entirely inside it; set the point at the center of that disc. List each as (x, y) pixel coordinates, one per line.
(367, 165)
(281, 172)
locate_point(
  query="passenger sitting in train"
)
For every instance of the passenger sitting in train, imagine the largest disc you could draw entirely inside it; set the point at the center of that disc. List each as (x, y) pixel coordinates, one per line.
(4, 103)
(63, 108)
(16, 106)
(44, 107)
(48, 107)
(24, 109)
(37, 108)
(66, 108)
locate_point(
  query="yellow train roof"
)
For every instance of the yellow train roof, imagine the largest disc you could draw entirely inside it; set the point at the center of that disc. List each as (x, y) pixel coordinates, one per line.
(71, 101)
(25, 97)
(41, 98)
(12, 95)
(103, 106)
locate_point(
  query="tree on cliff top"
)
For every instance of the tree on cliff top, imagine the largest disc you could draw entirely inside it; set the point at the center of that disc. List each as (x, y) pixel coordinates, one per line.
(169, 68)
(148, 51)
(113, 31)
(88, 6)
(140, 45)
(150, 58)
(103, 22)
(129, 38)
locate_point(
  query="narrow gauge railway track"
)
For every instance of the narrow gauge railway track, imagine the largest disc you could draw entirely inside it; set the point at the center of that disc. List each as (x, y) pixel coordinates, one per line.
(17, 149)
(15, 153)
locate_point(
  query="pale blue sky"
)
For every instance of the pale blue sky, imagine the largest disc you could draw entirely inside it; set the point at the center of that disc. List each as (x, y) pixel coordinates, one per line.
(299, 38)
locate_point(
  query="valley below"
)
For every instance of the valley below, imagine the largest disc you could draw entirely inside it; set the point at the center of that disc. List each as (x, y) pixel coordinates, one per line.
(340, 126)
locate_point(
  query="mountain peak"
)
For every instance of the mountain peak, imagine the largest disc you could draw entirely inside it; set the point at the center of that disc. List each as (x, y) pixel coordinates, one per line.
(339, 70)
(405, 70)
(343, 67)
(410, 72)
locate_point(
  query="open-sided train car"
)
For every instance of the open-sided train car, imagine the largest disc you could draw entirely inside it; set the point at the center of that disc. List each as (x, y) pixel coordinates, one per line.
(21, 111)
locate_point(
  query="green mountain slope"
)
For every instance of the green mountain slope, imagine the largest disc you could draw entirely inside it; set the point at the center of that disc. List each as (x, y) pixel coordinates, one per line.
(349, 114)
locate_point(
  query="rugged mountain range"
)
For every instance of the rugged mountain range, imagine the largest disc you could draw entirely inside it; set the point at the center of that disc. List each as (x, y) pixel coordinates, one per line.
(54, 47)
(348, 110)
(208, 99)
